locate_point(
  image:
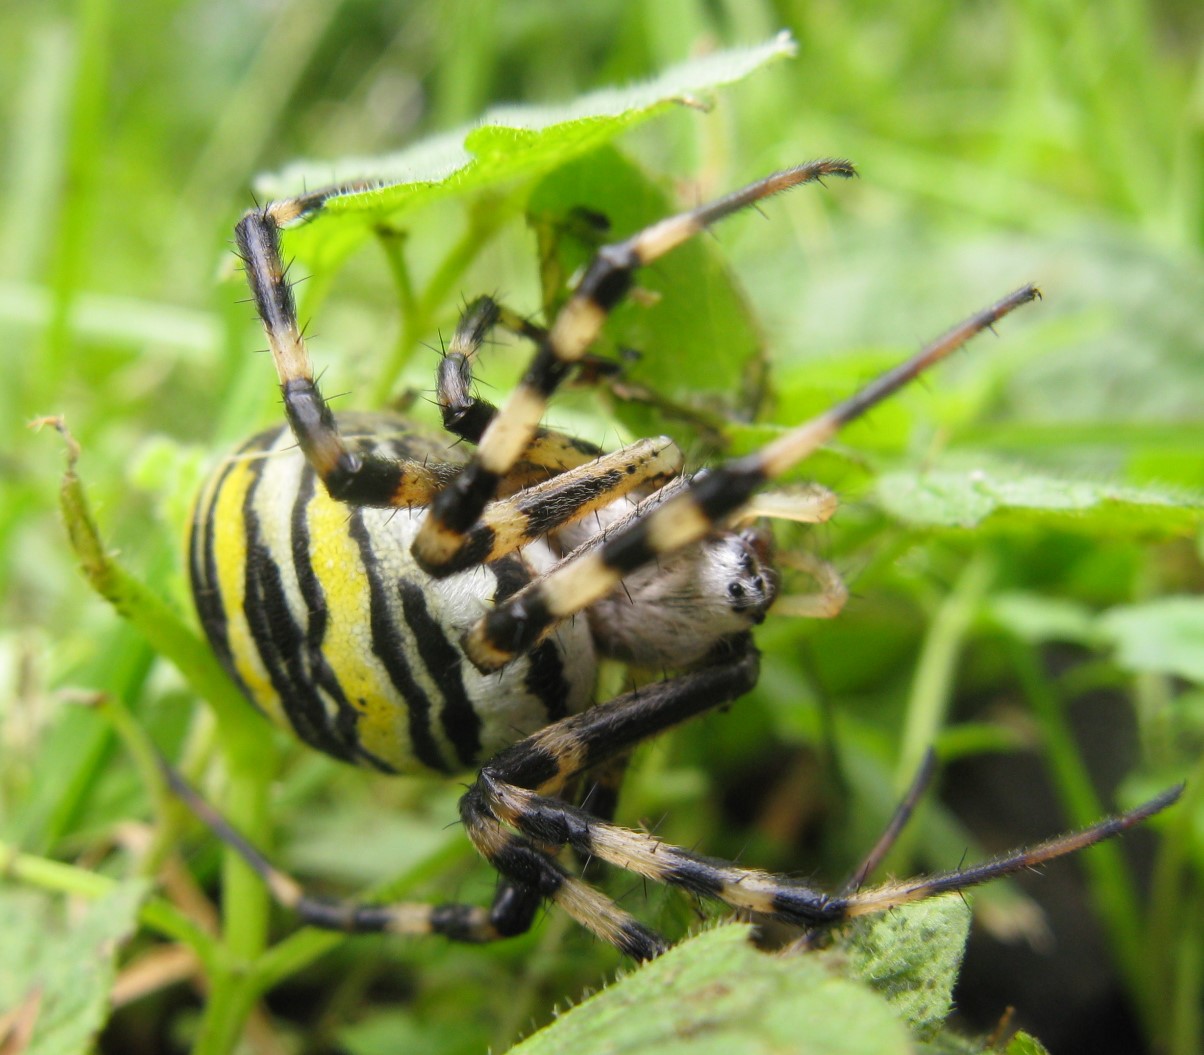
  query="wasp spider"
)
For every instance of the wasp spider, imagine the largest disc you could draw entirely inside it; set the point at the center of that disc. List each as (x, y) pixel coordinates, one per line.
(399, 605)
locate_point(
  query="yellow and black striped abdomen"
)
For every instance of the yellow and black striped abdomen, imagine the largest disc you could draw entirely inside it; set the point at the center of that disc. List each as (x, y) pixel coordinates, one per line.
(318, 611)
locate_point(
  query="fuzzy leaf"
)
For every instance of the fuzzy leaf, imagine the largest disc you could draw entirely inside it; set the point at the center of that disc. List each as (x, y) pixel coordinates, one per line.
(506, 144)
(716, 993)
(1010, 496)
(913, 958)
(61, 971)
(1025, 1044)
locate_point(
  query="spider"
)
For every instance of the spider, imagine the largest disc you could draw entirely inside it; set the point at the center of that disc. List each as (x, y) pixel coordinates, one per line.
(405, 607)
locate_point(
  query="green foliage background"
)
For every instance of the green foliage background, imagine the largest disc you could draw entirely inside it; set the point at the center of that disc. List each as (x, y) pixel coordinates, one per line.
(1022, 536)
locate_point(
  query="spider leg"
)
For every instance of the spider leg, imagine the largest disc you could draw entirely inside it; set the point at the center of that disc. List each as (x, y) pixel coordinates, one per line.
(549, 760)
(509, 523)
(890, 895)
(890, 834)
(466, 415)
(606, 280)
(825, 603)
(350, 476)
(691, 514)
(603, 784)
(509, 810)
(596, 792)
(808, 503)
(545, 762)
(553, 822)
(511, 913)
(513, 792)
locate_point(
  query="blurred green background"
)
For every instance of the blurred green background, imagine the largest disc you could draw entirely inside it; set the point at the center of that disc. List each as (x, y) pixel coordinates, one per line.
(998, 143)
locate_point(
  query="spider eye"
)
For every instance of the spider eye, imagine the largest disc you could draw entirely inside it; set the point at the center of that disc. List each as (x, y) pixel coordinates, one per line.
(735, 590)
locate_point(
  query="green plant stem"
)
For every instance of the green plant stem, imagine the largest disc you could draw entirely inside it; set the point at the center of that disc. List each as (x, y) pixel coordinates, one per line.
(418, 311)
(157, 621)
(932, 686)
(393, 241)
(1111, 886)
(140, 748)
(245, 898)
(232, 991)
(246, 904)
(230, 1002)
(1186, 1019)
(1171, 980)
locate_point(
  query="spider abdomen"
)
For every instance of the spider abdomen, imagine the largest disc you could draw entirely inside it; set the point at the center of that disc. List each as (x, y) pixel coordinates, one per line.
(319, 612)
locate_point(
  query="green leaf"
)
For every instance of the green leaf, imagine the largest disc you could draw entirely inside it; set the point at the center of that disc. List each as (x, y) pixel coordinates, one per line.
(913, 958)
(398, 1030)
(1025, 1044)
(1165, 636)
(61, 972)
(1034, 618)
(506, 144)
(690, 307)
(716, 993)
(1007, 495)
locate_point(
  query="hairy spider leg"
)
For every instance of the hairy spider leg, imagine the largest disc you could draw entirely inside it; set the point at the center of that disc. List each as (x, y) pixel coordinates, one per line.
(510, 914)
(516, 825)
(467, 415)
(534, 511)
(376, 479)
(894, 827)
(604, 284)
(511, 795)
(354, 477)
(827, 602)
(590, 572)
(549, 760)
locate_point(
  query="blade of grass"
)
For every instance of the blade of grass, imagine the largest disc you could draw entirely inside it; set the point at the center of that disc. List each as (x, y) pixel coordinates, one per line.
(1174, 977)
(1111, 885)
(1186, 1018)
(78, 185)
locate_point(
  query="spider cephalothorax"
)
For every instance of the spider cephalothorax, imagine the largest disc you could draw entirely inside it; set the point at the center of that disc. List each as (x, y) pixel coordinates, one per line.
(401, 605)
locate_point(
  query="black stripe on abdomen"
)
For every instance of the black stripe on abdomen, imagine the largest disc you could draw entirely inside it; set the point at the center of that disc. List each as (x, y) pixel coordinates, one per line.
(444, 662)
(280, 640)
(318, 671)
(387, 646)
(202, 563)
